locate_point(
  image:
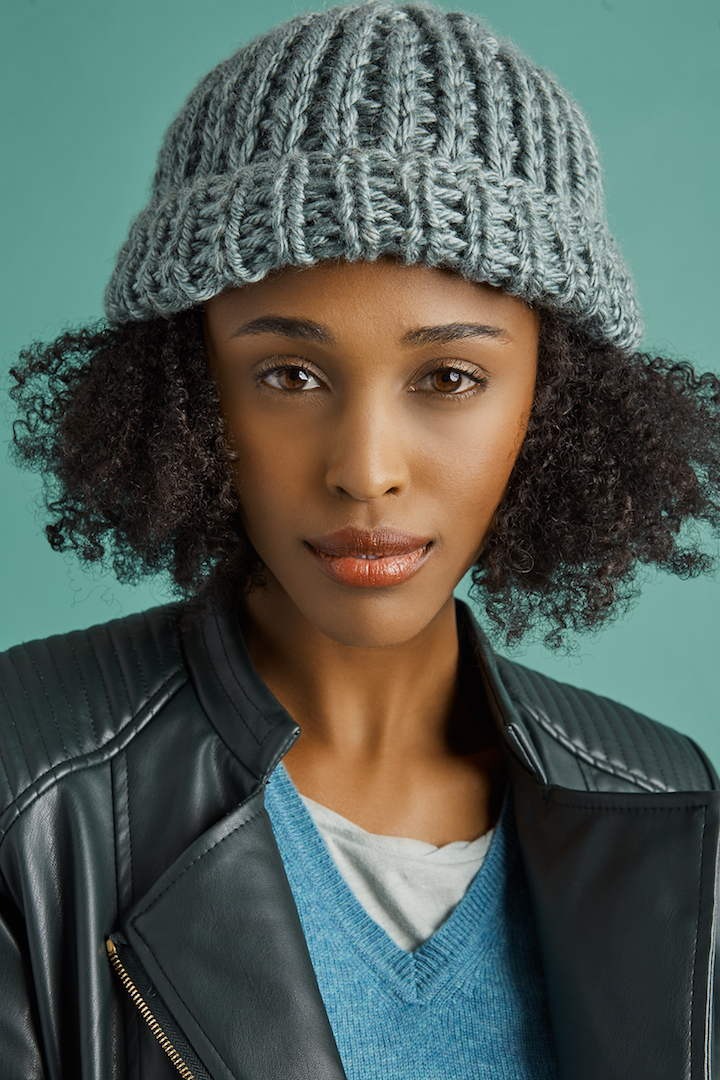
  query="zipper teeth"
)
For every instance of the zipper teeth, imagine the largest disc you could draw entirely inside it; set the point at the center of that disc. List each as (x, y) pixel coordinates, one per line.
(146, 1013)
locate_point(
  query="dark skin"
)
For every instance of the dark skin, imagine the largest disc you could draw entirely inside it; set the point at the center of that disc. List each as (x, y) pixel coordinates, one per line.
(358, 415)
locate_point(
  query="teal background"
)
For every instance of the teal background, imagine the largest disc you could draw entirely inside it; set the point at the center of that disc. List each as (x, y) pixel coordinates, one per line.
(88, 87)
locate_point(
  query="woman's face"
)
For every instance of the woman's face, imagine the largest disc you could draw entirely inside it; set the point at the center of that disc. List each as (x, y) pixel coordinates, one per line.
(376, 410)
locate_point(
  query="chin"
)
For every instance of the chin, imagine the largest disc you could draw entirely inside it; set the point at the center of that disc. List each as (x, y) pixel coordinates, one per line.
(373, 619)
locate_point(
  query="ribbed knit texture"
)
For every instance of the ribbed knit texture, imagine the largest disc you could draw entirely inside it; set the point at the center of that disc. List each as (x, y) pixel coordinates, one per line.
(370, 130)
(469, 1004)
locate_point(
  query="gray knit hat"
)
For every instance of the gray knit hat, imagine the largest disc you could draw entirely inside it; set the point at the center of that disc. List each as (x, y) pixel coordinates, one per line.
(378, 129)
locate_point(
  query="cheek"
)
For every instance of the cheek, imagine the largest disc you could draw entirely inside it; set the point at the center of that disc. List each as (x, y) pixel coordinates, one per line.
(271, 472)
(480, 476)
(478, 468)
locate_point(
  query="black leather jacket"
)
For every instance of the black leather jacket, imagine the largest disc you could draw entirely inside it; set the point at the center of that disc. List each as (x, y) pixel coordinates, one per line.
(133, 758)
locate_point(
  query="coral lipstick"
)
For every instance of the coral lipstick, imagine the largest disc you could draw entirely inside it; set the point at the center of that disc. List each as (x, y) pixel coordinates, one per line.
(370, 559)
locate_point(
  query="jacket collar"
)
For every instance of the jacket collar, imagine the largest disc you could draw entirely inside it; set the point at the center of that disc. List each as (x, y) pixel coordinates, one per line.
(259, 730)
(246, 715)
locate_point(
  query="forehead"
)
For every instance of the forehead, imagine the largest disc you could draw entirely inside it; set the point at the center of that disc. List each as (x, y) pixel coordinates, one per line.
(385, 295)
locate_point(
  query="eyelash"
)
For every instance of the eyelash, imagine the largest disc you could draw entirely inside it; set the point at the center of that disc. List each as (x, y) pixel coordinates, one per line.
(479, 381)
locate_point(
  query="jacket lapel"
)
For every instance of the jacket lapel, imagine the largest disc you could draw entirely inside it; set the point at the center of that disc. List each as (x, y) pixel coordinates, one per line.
(220, 939)
(623, 890)
(623, 885)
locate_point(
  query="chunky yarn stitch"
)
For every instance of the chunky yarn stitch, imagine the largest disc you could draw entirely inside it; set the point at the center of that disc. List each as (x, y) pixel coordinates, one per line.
(378, 129)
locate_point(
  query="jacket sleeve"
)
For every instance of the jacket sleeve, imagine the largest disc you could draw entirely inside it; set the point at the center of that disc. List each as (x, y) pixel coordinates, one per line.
(20, 1054)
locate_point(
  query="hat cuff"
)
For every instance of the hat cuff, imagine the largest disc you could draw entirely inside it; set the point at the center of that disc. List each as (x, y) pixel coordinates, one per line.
(192, 242)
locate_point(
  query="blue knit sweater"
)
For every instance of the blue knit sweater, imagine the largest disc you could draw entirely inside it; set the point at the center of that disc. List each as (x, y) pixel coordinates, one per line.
(469, 1004)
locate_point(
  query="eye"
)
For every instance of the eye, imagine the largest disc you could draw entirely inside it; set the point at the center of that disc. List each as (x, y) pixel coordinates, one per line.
(450, 382)
(289, 377)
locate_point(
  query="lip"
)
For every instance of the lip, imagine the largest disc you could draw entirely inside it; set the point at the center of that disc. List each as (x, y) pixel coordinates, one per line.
(369, 558)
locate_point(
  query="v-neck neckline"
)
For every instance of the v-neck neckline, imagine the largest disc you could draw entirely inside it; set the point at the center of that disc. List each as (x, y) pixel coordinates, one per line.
(434, 970)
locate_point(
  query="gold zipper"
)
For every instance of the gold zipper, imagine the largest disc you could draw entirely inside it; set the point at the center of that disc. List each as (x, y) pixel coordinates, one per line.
(146, 1014)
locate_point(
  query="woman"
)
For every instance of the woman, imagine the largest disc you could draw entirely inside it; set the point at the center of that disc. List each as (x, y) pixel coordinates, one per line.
(371, 332)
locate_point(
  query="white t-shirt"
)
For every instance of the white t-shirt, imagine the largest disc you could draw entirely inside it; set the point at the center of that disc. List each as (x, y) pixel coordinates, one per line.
(407, 886)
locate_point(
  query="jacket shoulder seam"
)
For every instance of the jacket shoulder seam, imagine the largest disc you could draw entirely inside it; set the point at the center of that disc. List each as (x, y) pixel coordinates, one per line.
(606, 736)
(52, 775)
(581, 752)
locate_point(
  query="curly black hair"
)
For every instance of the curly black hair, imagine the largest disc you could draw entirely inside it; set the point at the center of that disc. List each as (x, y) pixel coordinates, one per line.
(619, 467)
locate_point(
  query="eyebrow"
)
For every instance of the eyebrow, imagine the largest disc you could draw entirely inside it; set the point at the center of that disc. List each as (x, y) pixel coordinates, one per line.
(306, 330)
(442, 335)
(303, 329)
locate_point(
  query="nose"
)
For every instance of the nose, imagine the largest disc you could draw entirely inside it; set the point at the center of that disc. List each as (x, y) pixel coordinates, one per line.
(367, 453)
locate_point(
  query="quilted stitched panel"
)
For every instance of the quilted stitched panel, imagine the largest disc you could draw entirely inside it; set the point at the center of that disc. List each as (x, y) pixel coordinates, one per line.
(67, 696)
(617, 748)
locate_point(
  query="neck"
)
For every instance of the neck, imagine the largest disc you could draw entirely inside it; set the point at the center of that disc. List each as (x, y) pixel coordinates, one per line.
(361, 702)
(387, 739)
